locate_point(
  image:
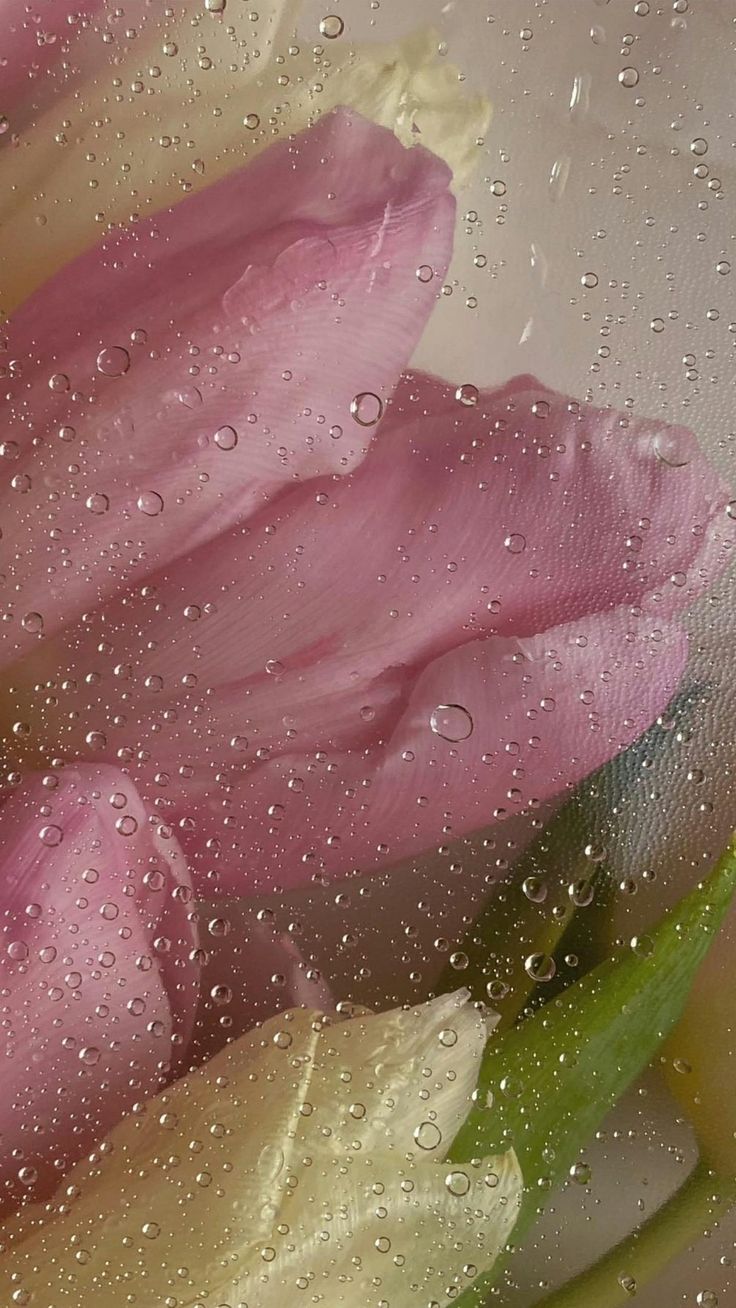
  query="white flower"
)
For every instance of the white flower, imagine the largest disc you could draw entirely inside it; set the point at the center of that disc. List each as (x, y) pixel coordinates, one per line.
(305, 1160)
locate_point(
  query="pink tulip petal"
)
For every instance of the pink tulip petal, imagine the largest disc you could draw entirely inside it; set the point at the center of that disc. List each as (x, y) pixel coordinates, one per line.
(493, 726)
(252, 972)
(184, 371)
(100, 992)
(311, 626)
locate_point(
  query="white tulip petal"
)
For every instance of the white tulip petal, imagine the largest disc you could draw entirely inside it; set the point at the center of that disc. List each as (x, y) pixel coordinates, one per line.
(242, 1182)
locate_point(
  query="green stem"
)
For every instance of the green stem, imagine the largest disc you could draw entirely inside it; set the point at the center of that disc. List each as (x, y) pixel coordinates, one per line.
(675, 1226)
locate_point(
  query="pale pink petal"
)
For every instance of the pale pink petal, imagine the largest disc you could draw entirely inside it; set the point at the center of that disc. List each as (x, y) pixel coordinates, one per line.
(99, 978)
(507, 515)
(252, 971)
(167, 383)
(492, 727)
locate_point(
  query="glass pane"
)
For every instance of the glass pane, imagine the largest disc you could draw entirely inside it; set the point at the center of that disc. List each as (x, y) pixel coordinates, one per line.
(367, 516)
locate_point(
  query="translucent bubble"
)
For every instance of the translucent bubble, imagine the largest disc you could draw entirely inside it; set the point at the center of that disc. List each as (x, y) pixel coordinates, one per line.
(451, 722)
(97, 503)
(672, 448)
(51, 836)
(331, 27)
(515, 543)
(458, 1183)
(226, 438)
(150, 503)
(113, 361)
(467, 394)
(629, 77)
(535, 889)
(366, 408)
(540, 967)
(428, 1135)
(580, 1173)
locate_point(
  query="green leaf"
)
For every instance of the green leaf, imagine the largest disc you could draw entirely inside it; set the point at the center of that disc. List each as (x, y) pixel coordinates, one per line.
(546, 1085)
(556, 900)
(535, 911)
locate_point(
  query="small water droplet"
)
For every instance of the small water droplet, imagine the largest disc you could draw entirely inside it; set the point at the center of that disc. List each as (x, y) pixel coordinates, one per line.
(226, 438)
(252, 122)
(366, 408)
(150, 503)
(428, 1135)
(113, 361)
(97, 503)
(32, 622)
(515, 543)
(51, 836)
(331, 27)
(672, 448)
(451, 722)
(458, 1183)
(467, 394)
(629, 77)
(540, 967)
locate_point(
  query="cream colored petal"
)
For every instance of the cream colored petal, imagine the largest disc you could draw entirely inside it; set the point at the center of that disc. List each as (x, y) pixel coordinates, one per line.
(232, 1182)
(152, 126)
(178, 1193)
(405, 1076)
(374, 1230)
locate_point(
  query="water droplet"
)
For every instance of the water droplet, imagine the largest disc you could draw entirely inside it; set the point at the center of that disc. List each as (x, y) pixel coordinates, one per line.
(628, 1283)
(657, 324)
(97, 503)
(151, 1230)
(590, 280)
(629, 77)
(580, 1173)
(723, 267)
(150, 503)
(252, 122)
(540, 967)
(699, 146)
(535, 889)
(331, 27)
(428, 1135)
(707, 1299)
(425, 273)
(32, 622)
(51, 836)
(515, 543)
(226, 438)
(559, 174)
(113, 361)
(451, 722)
(467, 394)
(458, 1183)
(366, 408)
(672, 448)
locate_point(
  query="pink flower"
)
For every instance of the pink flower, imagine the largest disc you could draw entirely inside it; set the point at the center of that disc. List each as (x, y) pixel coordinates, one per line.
(99, 976)
(287, 604)
(479, 615)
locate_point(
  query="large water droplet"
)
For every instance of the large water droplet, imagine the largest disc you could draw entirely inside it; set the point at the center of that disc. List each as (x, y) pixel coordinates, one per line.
(451, 722)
